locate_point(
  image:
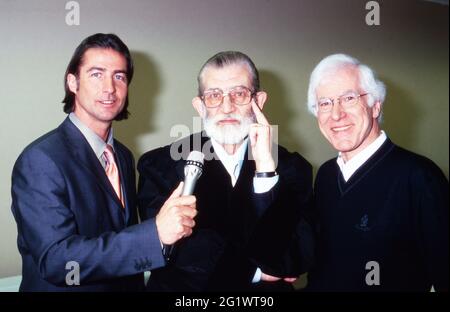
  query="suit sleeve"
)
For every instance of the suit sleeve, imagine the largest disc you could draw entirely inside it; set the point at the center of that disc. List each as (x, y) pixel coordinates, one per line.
(48, 229)
(155, 182)
(282, 243)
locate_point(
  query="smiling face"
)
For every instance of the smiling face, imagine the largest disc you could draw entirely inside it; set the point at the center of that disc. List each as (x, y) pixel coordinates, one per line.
(228, 123)
(352, 129)
(100, 88)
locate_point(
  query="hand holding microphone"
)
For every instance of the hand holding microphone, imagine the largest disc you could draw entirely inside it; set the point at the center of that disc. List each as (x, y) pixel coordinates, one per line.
(175, 220)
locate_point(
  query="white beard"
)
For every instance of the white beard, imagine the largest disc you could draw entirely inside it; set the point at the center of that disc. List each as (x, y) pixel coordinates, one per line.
(228, 134)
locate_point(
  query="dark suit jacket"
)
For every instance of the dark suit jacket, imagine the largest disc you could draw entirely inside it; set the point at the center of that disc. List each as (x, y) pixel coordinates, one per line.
(236, 230)
(66, 210)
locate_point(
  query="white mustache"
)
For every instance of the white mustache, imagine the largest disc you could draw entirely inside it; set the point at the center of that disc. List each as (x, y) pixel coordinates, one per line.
(228, 134)
(237, 117)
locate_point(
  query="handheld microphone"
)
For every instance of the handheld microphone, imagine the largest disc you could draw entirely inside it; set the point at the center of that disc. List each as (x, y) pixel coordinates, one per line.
(192, 172)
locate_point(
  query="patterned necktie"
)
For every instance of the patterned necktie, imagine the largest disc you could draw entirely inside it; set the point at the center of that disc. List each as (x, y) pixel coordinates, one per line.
(112, 172)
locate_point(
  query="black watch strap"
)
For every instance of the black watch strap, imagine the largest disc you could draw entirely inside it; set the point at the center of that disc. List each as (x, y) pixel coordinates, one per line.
(269, 174)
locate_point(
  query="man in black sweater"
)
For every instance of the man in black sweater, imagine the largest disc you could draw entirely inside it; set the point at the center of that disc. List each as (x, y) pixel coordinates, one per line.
(249, 203)
(382, 211)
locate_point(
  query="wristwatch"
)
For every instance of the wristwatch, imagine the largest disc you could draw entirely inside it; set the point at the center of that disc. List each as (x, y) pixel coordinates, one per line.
(269, 174)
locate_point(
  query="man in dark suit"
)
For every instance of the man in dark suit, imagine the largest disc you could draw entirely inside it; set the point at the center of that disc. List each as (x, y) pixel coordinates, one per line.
(73, 189)
(252, 227)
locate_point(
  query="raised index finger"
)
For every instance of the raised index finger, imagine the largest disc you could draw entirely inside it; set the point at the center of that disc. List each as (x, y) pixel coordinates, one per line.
(260, 118)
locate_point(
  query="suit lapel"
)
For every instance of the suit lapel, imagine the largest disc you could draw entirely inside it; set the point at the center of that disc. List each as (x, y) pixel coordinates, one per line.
(204, 147)
(123, 171)
(179, 167)
(216, 166)
(84, 154)
(247, 170)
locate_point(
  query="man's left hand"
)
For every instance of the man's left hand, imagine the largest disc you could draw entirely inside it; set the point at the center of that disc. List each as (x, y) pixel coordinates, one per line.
(269, 278)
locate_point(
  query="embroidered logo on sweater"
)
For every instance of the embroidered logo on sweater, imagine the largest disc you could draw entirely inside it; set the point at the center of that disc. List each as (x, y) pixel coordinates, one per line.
(363, 224)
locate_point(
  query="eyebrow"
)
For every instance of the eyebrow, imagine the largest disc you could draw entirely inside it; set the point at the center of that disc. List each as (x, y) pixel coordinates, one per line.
(348, 91)
(234, 87)
(96, 68)
(118, 71)
(343, 93)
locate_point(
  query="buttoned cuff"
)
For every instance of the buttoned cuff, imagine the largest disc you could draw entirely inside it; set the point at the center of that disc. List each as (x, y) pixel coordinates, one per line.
(263, 185)
(257, 276)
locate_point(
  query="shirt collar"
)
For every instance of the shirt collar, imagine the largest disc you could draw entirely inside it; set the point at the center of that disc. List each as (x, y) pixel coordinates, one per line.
(348, 168)
(232, 163)
(95, 142)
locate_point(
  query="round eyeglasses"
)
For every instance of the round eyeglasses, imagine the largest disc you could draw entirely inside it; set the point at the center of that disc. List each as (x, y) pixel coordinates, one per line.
(238, 96)
(346, 101)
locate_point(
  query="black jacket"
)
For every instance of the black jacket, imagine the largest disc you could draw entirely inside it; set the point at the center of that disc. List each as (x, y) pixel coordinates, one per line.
(236, 230)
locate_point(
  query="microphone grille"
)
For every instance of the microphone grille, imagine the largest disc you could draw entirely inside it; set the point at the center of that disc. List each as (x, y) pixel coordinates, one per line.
(196, 156)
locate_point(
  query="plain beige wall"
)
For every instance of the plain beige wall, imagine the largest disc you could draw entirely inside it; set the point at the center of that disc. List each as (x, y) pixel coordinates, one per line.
(170, 39)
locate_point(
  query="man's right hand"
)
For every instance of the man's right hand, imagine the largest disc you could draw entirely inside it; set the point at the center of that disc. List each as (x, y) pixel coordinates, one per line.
(175, 219)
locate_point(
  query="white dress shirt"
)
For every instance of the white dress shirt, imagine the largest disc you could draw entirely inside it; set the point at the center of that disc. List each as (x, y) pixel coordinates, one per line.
(233, 164)
(348, 168)
(95, 142)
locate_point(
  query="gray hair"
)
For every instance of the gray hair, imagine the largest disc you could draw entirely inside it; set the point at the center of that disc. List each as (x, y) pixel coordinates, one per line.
(226, 58)
(367, 80)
